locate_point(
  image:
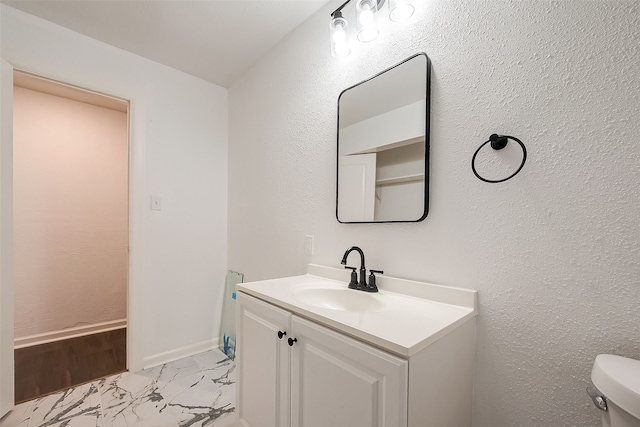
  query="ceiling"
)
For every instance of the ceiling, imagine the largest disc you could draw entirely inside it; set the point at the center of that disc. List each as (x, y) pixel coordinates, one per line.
(216, 40)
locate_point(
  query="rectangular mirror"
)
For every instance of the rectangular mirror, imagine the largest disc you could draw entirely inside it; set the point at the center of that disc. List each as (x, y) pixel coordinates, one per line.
(383, 145)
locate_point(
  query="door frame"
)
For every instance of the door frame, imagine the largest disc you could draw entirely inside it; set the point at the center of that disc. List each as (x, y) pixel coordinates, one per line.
(7, 396)
(137, 171)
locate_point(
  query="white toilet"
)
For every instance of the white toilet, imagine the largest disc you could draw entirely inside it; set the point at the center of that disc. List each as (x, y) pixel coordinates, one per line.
(618, 381)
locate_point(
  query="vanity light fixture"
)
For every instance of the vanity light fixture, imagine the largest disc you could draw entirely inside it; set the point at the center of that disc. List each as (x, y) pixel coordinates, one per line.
(365, 10)
(399, 10)
(339, 28)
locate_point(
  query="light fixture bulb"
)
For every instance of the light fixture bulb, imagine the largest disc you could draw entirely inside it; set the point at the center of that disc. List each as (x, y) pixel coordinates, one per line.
(365, 10)
(400, 10)
(338, 28)
(339, 36)
(366, 17)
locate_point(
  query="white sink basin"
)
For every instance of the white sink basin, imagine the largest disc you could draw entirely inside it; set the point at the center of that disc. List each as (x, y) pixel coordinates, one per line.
(403, 318)
(340, 299)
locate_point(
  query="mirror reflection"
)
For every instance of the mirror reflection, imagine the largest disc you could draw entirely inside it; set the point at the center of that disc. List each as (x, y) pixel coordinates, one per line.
(383, 145)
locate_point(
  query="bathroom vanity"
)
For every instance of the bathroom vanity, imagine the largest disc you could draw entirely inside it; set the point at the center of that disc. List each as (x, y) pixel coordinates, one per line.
(312, 353)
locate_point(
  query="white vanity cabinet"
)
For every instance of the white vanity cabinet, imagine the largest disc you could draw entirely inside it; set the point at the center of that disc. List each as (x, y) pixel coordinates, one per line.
(323, 378)
(402, 357)
(263, 365)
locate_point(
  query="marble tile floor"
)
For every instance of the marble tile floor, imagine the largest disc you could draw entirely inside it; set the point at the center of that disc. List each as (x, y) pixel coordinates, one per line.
(196, 391)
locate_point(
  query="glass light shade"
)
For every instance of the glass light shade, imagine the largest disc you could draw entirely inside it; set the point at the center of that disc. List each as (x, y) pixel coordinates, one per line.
(338, 28)
(400, 10)
(365, 10)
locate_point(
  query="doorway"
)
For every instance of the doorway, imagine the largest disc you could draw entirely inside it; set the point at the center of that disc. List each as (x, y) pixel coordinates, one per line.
(71, 235)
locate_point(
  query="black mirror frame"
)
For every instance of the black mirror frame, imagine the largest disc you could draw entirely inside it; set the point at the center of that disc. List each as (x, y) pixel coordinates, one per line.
(427, 142)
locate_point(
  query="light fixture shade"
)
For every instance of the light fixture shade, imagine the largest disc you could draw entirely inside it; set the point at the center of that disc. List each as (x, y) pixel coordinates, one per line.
(400, 10)
(365, 17)
(338, 29)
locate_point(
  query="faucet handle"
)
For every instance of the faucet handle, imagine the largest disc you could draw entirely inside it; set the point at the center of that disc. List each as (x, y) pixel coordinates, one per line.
(353, 283)
(372, 287)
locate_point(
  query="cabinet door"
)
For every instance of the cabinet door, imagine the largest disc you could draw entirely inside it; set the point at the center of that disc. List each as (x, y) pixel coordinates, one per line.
(262, 358)
(340, 382)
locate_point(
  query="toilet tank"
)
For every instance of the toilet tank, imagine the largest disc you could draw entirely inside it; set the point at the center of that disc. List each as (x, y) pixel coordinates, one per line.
(618, 379)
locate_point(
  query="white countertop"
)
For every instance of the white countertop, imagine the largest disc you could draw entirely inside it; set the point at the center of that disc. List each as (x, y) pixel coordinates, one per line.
(408, 317)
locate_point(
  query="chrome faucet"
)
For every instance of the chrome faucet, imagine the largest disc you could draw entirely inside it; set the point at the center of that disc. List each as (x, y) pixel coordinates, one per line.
(363, 270)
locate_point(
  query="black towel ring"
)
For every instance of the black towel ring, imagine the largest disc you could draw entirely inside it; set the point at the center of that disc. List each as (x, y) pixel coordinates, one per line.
(498, 142)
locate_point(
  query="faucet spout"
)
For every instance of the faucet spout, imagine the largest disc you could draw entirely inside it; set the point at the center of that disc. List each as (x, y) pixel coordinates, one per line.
(362, 283)
(351, 249)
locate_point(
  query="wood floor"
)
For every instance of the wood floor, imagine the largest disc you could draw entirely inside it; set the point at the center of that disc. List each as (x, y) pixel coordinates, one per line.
(46, 368)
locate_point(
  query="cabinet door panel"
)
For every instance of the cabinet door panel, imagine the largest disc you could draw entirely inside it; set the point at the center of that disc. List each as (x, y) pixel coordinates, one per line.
(340, 382)
(263, 364)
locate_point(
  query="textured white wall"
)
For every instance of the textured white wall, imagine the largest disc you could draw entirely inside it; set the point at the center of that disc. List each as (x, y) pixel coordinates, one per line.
(554, 252)
(178, 142)
(70, 201)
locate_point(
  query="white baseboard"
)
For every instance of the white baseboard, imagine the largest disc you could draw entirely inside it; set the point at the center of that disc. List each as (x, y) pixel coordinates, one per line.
(78, 331)
(179, 353)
